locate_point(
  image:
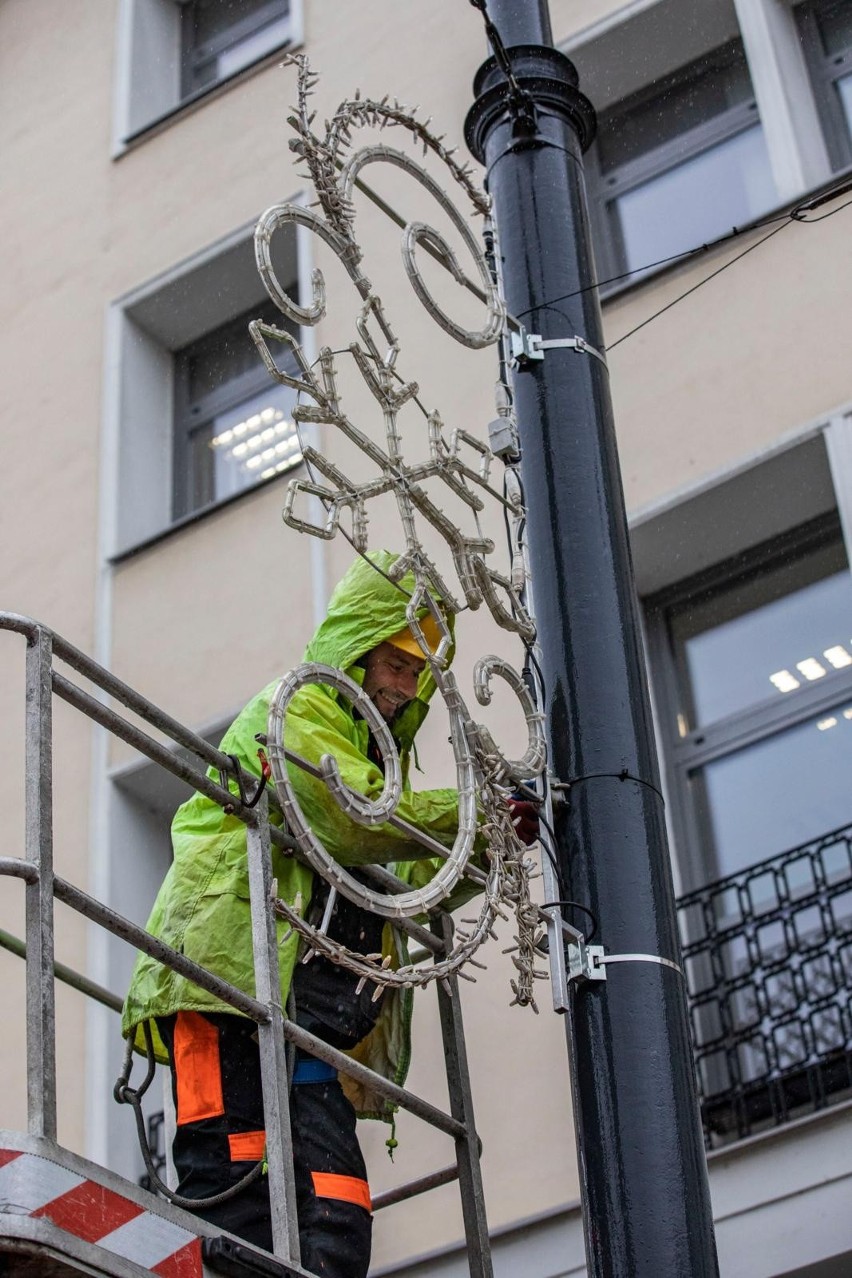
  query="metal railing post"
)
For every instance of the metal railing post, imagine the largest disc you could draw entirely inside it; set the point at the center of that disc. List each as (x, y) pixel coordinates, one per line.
(273, 1050)
(41, 1004)
(461, 1107)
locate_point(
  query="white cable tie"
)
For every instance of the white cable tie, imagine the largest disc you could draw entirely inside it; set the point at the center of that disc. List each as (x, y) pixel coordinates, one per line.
(601, 960)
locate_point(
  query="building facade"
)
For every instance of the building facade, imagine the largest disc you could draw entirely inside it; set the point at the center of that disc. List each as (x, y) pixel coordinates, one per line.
(147, 457)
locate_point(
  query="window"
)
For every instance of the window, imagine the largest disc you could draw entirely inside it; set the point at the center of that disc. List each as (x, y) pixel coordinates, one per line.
(233, 424)
(173, 52)
(748, 599)
(678, 164)
(195, 415)
(220, 37)
(710, 116)
(759, 704)
(754, 684)
(826, 29)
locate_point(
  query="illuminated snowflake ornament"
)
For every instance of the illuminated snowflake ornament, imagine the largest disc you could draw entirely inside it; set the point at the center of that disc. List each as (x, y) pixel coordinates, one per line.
(463, 465)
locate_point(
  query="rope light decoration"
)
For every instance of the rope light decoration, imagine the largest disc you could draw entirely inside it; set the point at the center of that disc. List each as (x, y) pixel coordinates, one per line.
(485, 778)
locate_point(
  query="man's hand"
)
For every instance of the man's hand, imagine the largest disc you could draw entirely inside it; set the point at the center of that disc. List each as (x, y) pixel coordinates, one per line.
(524, 819)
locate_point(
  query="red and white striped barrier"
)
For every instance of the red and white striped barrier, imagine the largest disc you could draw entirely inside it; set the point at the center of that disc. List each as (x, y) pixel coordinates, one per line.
(31, 1185)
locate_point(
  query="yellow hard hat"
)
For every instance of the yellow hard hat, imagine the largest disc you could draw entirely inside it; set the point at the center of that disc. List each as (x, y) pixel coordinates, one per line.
(405, 640)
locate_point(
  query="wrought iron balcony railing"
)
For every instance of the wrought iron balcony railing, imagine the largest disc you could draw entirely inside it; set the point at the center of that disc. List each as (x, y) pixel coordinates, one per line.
(768, 955)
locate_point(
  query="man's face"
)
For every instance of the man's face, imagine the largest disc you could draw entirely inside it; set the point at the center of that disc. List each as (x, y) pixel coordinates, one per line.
(390, 678)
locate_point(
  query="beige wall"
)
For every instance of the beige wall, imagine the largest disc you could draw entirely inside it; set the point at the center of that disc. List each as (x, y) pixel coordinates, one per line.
(203, 618)
(757, 354)
(55, 74)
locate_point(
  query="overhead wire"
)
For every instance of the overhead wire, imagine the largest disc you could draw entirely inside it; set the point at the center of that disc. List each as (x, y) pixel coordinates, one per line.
(794, 215)
(736, 232)
(695, 287)
(514, 322)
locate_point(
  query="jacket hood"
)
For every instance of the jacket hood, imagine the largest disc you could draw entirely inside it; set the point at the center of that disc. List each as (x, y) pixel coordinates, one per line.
(365, 610)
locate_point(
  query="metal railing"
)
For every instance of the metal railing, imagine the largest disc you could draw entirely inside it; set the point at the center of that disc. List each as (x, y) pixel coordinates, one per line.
(768, 958)
(43, 887)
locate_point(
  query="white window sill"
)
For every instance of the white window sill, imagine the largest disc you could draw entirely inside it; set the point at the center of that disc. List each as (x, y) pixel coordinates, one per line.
(195, 101)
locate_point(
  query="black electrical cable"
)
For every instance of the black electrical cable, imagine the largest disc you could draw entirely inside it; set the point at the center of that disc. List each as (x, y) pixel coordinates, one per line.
(548, 851)
(832, 192)
(521, 103)
(700, 284)
(575, 905)
(806, 221)
(786, 219)
(533, 660)
(132, 1096)
(735, 233)
(549, 828)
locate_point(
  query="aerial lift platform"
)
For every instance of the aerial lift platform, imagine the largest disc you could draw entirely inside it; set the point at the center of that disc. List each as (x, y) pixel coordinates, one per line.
(61, 1214)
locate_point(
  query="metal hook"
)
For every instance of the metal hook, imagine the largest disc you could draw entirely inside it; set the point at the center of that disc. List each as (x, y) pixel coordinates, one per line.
(246, 800)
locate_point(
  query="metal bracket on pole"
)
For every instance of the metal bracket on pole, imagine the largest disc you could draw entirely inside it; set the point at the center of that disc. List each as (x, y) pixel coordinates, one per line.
(585, 962)
(531, 346)
(571, 959)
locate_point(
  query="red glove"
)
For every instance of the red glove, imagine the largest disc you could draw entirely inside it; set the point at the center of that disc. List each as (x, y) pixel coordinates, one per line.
(524, 819)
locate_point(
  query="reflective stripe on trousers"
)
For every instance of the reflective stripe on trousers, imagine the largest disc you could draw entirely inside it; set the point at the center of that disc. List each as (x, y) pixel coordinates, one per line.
(217, 1090)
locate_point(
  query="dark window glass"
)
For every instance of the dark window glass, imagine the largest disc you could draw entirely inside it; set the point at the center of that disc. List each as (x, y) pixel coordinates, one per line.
(214, 19)
(224, 355)
(765, 636)
(683, 101)
(761, 704)
(671, 213)
(233, 423)
(779, 793)
(834, 23)
(220, 37)
(844, 92)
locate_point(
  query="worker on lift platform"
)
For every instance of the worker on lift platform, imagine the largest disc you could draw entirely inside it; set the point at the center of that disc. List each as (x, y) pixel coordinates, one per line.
(203, 911)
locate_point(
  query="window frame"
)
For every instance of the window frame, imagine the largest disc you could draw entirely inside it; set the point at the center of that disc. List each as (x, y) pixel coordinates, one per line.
(190, 415)
(606, 187)
(824, 73)
(146, 329)
(149, 87)
(781, 83)
(192, 58)
(683, 756)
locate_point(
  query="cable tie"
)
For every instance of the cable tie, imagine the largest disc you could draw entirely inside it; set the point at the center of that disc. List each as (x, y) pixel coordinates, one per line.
(603, 960)
(824, 197)
(531, 346)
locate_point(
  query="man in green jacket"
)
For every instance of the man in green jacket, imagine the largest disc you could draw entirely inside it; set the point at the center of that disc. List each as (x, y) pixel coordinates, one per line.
(203, 910)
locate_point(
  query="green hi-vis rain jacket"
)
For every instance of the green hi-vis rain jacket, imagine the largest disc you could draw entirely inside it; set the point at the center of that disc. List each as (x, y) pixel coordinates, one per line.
(202, 908)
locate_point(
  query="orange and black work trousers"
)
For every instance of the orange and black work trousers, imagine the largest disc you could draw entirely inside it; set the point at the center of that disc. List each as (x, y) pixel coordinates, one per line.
(219, 1135)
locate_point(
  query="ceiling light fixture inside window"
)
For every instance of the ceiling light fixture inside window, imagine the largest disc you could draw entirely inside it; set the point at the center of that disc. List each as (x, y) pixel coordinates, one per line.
(784, 681)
